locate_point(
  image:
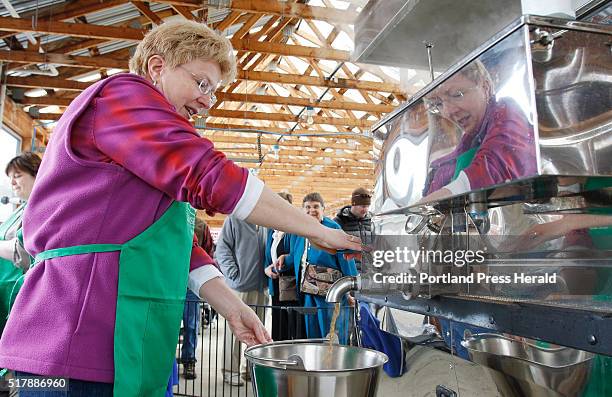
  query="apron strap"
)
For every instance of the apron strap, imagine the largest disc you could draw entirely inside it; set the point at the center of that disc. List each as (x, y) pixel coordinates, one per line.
(76, 250)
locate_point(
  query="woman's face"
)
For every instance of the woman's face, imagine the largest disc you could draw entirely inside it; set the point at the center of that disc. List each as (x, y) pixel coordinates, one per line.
(464, 102)
(186, 86)
(21, 183)
(314, 209)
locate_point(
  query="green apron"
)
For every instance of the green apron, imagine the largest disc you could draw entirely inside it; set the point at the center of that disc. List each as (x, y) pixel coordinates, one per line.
(153, 272)
(464, 160)
(9, 273)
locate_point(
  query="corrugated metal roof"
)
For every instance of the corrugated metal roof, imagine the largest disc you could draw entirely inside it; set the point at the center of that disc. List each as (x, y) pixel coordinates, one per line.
(22, 6)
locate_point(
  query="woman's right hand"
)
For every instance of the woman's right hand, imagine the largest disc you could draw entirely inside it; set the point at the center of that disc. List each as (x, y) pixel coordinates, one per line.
(270, 273)
(332, 240)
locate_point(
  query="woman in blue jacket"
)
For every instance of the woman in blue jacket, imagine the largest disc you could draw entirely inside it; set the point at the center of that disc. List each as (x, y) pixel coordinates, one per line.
(317, 325)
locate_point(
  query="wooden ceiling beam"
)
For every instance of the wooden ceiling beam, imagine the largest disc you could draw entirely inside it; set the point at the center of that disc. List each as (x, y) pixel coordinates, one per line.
(71, 29)
(229, 20)
(282, 8)
(67, 10)
(271, 99)
(264, 30)
(295, 10)
(291, 50)
(45, 101)
(131, 34)
(336, 145)
(184, 11)
(287, 142)
(283, 78)
(302, 168)
(272, 161)
(275, 183)
(284, 156)
(361, 154)
(267, 77)
(62, 11)
(314, 174)
(244, 29)
(146, 11)
(46, 82)
(287, 118)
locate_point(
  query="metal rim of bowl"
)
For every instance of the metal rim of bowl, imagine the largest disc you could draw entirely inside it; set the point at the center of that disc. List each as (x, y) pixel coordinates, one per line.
(318, 342)
(476, 337)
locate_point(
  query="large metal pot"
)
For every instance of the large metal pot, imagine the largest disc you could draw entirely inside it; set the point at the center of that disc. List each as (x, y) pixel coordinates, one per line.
(532, 370)
(307, 368)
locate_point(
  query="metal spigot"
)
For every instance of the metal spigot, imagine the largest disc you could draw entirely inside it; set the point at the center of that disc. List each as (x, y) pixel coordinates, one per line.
(341, 287)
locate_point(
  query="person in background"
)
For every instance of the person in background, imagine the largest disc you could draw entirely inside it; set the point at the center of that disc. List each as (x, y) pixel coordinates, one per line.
(313, 264)
(283, 289)
(355, 219)
(191, 311)
(240, 254)
(113, 206)
(205, 239)
(14, 260)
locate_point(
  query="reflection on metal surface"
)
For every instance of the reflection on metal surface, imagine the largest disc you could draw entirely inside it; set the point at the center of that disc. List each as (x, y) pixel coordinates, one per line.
(573, 99)
(536, 103)
(385, 23)
(532, 370)
(509, 153)
(342, 286)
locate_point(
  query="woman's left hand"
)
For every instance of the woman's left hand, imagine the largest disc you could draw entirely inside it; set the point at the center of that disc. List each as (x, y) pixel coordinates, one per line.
(247, 327)
(242, 319)
(271, 273)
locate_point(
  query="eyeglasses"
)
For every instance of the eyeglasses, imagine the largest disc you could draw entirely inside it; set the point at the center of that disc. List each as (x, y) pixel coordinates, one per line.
(205, 87)
(435, 104)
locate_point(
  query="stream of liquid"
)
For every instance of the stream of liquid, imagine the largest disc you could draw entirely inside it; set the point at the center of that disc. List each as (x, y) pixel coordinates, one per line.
(332, 336)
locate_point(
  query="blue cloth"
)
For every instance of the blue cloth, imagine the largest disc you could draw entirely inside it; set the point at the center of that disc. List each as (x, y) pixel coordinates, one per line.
(268, 260)
(174, 380)
(191, 323)
(374, 338)
(76, 388)
(317, 325)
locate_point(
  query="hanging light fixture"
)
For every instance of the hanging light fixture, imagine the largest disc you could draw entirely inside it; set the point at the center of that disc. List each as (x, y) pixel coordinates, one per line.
(309, 115)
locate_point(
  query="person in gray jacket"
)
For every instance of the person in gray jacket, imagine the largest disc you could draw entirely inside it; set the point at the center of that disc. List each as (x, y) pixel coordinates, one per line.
(240, 254)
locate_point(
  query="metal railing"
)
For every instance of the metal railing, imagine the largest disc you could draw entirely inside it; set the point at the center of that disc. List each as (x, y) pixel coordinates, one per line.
(214, 344)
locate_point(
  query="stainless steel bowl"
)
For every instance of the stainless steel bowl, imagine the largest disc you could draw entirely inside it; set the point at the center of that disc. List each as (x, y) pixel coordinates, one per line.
(532, 370)
(308, 368)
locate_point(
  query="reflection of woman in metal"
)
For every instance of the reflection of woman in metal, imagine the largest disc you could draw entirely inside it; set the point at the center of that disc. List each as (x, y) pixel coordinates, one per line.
(497, 142)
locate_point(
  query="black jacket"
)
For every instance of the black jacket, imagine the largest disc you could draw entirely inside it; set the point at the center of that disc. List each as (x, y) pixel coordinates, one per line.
(360, 227)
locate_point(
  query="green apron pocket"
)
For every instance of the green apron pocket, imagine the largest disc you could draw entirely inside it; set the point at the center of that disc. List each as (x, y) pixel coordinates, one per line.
(159, 345)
